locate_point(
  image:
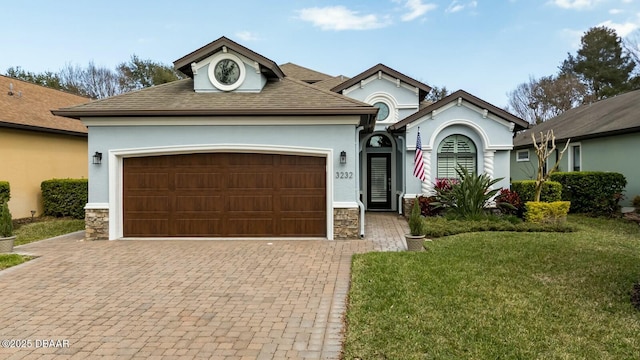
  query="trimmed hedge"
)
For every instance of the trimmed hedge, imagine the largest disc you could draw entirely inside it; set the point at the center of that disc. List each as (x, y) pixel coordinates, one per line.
(539, 212)
(65, 197)
(592, 192)
(5, 191)
(551, 190)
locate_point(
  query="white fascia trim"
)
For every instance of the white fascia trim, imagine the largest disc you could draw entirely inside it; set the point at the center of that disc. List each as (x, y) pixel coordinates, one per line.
(97, 206)
(375, 77)
(116, 172)
(169, 120)
(345, 204)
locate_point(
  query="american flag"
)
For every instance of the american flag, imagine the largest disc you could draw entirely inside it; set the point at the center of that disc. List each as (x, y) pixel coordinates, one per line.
(418, 166)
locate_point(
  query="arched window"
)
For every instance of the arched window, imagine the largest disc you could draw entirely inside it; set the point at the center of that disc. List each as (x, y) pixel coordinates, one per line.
(456, 150)
(378, 141)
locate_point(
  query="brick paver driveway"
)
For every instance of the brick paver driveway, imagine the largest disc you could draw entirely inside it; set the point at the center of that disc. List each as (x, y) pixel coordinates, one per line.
(183, 299)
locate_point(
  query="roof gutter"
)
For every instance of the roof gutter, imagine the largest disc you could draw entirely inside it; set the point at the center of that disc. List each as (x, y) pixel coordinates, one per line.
(42, 129)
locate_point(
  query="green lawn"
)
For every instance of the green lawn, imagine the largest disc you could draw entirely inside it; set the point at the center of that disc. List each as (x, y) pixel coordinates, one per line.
(9, 260)
(501, 295)
(45, 229)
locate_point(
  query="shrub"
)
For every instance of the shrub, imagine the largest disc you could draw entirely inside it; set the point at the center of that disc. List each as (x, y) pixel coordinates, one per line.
(5, 191)
(6, 224)
(65, 197)
(539, 212)
(440, 226)
(551, 190)
(592, 192)
(509, 202)
(416, 222)
(467, 198)
(636, 201)
(428, 206)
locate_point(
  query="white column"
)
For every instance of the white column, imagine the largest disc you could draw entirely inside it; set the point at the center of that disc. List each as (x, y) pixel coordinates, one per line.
(427, 186)
(488, 163)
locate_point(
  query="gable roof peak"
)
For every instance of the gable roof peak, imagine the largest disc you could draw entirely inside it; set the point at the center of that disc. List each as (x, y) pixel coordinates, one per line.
(267, 66)
(423, 88)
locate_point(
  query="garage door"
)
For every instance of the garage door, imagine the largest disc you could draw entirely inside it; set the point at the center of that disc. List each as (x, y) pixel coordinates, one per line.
(224, 195)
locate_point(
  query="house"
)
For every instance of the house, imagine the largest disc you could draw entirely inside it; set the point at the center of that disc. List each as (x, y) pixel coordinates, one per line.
(604, 136)
(244, 148)
(36, 145)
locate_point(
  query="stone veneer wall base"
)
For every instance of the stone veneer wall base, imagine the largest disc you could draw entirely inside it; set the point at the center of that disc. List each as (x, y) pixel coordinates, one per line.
(346, 224)
(96, 224)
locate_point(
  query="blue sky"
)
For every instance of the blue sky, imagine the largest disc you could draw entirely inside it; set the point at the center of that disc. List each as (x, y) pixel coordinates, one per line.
(486, 47)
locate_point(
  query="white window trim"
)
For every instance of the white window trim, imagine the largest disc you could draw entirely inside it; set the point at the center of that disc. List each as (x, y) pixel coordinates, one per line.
(212, 75)
(391, 103)
(518, 152)
(570, 158)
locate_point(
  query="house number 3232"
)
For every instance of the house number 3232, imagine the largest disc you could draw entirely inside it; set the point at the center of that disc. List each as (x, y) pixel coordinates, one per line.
(344, 175)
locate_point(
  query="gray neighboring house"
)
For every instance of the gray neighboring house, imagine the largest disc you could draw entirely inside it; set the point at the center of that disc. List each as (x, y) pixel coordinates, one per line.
(604, 136)
(244, 148)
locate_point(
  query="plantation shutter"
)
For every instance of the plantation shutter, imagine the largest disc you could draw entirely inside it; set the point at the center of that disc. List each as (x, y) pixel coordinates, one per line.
(378, 179)
(455, 150)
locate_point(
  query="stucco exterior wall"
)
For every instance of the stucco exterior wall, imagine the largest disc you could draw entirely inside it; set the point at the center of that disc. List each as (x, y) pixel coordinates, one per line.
(493, 140)
(612, 153)
(29, 157)
(336, 137)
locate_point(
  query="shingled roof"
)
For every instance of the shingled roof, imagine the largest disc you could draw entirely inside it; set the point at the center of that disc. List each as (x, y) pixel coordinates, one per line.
(460, 94)
(302, 73)
(612, 116)
(28, 106)
(283, 97)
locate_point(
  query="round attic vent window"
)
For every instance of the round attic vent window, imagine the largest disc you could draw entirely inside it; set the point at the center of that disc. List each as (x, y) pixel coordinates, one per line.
(226, 72)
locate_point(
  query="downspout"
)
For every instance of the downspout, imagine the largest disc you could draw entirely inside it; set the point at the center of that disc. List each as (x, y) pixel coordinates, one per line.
(358, 164)
(404, 174)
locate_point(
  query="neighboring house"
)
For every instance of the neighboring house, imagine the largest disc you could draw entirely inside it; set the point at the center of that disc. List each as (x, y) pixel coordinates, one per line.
(604, 136)
(245, 148)
(36, 145)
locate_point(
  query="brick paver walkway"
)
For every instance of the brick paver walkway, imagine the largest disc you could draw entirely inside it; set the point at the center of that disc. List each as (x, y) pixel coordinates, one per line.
(184, 299)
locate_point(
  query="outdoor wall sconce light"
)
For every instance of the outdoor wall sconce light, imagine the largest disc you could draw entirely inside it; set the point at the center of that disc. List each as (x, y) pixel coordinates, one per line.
(343, 157)
(97, 158)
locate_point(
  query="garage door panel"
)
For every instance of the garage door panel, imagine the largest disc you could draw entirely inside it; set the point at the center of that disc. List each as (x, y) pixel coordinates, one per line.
(253, 226)
(250, 203)
(147, 181)
(225, 195)
(148, 203)
(302, 180)
(199, 203)
(144, 227)
(302, 203)
(250, 181)
(195, 227)
(199, 180)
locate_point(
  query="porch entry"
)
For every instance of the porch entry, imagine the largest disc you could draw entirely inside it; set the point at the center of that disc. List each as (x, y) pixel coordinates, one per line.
(379, 181)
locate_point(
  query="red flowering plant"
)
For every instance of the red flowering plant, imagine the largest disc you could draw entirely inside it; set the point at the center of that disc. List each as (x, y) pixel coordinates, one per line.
(427, 206)
(509, 202)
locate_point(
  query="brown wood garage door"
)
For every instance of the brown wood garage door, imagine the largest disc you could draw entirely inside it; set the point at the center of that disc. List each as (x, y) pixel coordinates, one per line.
(224, 195)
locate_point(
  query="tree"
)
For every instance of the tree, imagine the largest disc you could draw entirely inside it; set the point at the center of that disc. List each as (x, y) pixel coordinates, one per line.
(543, 151)
(93, 81)
(437, 93)
(137, 74)
(539, 100)
(601, 64)
(47, 78)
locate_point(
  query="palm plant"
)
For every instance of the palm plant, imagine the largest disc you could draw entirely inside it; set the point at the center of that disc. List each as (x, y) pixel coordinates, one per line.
(468, 197)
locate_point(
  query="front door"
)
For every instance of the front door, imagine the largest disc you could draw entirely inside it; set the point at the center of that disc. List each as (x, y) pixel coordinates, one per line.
(379, 181)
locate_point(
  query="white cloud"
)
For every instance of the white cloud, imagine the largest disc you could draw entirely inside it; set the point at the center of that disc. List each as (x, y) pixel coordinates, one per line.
(615, 11)
(416, 9)
(340, 18)
(573, 37)
(456, 6)
(575, 4)
(627, 1)
(247, 36)
(621, 29)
